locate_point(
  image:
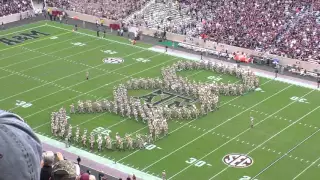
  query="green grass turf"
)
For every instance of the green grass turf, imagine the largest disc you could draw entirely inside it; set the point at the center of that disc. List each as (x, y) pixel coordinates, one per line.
(49, 73)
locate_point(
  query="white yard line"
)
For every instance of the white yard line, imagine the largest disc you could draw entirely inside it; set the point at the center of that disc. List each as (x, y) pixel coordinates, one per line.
(240, 134)
(286, 154)
(1, 35)
(106, 39)
(30, 42)
(94, 90)
(270, 138)
(74, 62)
(192, 121)
(62, 58)
(51, 44)
(216, 127)
(306, 169)
(50, 82)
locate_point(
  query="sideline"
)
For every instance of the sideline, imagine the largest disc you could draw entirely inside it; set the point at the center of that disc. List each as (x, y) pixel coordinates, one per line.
(261, 73)
(97, 159)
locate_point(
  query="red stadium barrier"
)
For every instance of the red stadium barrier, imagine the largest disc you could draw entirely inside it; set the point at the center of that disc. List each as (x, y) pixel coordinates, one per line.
(114, 26)
(242, 58)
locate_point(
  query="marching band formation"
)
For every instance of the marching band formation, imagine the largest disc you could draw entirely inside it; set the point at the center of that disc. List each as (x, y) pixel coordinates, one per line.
(207, 94)
(60, 128)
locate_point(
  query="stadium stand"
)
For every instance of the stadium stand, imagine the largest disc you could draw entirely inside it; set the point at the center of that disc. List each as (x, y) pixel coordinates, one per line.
(261, 24)
(14, 6)
(109, 9)
(302, 41)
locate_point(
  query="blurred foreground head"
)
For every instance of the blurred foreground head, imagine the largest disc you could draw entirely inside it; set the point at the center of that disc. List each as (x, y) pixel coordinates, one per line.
(20, 149)
(64, 170)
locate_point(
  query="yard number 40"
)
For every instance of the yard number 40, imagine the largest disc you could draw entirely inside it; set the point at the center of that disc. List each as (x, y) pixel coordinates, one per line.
(247, 178)
(299, 99)
(196, 162)
(23, 104)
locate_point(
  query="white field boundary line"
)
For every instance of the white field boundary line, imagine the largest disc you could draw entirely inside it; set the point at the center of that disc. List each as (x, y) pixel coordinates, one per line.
(35, 41)
(51, 44)
(1, 35)
(218, 126)
(36, 57)
(106, 39)
(192, 121)
(271, 138)
(285, 154)
(50, 82)
(298, 175)
(94, 90)
(271, 115)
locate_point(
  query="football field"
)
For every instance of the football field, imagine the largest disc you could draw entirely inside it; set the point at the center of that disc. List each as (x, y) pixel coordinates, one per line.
(43, 68)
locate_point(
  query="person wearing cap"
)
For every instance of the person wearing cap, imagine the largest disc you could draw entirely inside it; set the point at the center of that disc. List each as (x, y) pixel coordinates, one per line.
(20, 149)
(64, 170)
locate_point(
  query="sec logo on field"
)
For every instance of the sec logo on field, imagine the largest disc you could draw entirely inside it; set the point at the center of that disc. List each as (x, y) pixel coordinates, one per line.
(237, 160)
(113, 60)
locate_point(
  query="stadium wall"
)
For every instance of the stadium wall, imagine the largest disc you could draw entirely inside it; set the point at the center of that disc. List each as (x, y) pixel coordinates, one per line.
(15, 17)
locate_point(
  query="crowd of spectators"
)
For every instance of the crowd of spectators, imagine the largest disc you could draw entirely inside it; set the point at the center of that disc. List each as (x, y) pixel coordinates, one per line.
(259, 24)
(110, 9)
(289, 28)
(302, 41)
(14, 6)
